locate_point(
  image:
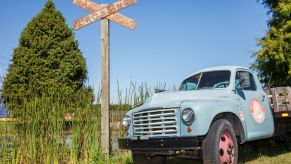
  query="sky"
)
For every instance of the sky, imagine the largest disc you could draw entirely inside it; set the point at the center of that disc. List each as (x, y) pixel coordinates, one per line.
(173, 38)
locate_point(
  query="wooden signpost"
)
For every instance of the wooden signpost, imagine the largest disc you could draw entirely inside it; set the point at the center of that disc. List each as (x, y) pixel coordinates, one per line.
(104, 13)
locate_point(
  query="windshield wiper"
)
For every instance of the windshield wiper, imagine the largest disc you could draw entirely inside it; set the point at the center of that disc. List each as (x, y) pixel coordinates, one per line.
(160, 90)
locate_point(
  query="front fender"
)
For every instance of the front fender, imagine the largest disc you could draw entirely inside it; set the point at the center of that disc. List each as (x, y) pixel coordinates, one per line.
(205, 112)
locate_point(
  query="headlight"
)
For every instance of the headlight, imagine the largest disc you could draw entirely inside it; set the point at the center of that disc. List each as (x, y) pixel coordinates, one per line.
(188, 116)
(126, 121)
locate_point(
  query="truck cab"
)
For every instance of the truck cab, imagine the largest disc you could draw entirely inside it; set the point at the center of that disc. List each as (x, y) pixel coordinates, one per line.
(213, 111)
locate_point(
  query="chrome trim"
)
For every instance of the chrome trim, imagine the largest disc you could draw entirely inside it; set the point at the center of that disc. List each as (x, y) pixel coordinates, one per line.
(155, 122)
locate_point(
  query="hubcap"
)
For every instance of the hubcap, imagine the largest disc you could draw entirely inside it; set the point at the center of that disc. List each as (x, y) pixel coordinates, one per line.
(226, 149)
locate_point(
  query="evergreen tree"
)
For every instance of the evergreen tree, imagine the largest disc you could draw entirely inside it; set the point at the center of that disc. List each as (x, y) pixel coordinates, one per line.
(47, 59)
(273, 60)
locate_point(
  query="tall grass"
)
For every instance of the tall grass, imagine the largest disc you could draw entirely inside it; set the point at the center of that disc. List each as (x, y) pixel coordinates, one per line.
(45, 133)
(42, 135)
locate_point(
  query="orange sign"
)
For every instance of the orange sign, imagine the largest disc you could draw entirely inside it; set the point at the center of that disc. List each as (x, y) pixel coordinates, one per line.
(104, 11)
(257, 110)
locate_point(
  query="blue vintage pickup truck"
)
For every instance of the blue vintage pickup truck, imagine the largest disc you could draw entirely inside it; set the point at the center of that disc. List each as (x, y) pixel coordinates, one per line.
(213, 111)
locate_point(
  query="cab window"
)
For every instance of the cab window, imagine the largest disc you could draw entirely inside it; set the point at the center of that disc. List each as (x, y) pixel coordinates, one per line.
(245, 81)
(207, 80)
(214, 79)
(190, 83)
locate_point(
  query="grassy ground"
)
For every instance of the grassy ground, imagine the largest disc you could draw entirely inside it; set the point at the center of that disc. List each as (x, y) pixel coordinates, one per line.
(266, 152)
(282, 158)
(261, 152)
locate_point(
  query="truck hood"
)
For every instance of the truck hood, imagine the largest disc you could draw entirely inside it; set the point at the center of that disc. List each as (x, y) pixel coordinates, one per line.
(174, 99)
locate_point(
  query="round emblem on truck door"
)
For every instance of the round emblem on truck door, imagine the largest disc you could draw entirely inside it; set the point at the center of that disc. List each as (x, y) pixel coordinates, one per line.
(257, 110)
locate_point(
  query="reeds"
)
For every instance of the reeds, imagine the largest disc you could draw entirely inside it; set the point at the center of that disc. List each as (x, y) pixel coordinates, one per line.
(54, 129)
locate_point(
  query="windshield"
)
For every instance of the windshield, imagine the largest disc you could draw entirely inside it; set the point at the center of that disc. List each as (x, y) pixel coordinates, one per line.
(214, 79)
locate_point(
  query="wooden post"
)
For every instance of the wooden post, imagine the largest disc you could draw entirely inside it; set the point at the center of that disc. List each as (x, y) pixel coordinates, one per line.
(105, 12)
(105, 89)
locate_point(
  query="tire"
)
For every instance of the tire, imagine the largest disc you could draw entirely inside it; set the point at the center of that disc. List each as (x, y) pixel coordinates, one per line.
(220, 145)
(142, 159)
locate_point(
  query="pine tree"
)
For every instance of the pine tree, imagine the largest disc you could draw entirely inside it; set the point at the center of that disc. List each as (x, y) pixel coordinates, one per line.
(47, 59)
(273, 60)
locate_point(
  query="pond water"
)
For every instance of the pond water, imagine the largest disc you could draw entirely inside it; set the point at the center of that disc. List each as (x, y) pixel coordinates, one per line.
(3, 111)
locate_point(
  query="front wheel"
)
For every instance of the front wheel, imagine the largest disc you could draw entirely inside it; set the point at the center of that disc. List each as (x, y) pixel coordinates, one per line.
(142, 159)
(220, 145)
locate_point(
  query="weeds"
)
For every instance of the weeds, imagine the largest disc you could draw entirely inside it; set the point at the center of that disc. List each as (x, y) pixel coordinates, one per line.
(53, 129)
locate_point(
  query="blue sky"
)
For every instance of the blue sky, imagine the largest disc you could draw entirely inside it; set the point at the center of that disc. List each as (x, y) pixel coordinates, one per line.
(172, 39)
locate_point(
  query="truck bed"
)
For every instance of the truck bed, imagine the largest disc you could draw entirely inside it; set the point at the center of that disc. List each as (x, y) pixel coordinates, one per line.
(280, 102)
(279, 99)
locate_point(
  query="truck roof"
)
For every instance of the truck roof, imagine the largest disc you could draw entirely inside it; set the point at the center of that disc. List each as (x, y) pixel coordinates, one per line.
(223, 68)
(231, 68)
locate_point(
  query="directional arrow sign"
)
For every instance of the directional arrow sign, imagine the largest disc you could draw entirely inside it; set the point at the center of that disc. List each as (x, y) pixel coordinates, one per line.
(116, 17)
(102, 13)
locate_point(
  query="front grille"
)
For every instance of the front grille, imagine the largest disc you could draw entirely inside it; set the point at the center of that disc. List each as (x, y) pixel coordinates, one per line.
(155, 122)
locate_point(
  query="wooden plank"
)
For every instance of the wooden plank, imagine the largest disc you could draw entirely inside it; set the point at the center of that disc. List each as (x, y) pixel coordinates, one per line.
(118, 18)
(105, 87)
(283, 98)
(102, 13)
(9, 120)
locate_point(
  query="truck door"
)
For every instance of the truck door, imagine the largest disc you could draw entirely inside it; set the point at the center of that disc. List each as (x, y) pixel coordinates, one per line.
(257, 113)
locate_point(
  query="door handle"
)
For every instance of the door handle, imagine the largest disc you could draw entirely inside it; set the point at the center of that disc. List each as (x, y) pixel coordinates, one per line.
(263, 98)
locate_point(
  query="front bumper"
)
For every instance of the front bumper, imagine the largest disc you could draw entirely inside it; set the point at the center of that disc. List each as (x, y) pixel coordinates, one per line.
(158, 144)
